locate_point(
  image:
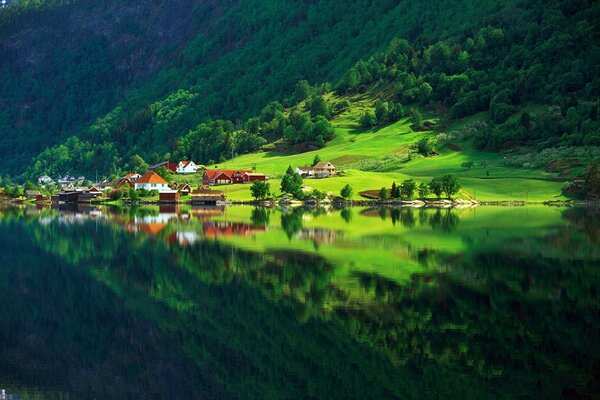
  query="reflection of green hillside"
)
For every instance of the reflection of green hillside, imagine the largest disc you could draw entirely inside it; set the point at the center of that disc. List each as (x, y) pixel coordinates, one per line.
(230, 341)
(505, 296)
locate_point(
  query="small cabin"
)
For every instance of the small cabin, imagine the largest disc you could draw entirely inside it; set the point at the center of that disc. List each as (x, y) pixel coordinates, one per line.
(207, 196)
(171, 196)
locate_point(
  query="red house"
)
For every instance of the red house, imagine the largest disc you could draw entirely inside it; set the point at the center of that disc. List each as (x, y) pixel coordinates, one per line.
(224, 177)
(249, 177)
(171, 196)
(171, 166)
(228, 177)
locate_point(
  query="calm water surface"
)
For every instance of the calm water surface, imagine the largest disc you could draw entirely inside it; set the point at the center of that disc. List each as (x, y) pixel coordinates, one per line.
(251, 303)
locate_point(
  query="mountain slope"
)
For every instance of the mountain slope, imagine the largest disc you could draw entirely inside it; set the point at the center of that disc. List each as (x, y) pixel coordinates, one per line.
(57, 78)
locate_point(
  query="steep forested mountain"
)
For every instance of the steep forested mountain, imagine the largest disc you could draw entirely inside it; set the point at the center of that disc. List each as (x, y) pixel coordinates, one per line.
(126, 77)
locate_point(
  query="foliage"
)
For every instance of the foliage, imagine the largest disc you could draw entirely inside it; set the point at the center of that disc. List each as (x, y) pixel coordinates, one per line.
(450, 184)
(468, 164)
(316, 160)
(368, 119)
(423, 190)
(346, 192)
(407, 189)
(383, 194)
(292, 184)
(436, 186)
(427, 146)
(260, 190)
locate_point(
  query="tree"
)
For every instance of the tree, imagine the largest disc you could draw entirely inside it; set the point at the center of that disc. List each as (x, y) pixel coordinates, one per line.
(292, 184)
(319, 107)
(483, 163)
(395, 191)
(383, 194)
(133, 195)
(450, 184)
(591, 181)
(346, 192)
(368, 119)
(425, 92)
(381, 110)
(165, 173)
(316, 160)
(436, 186)
(260, 190)
(407, 189)
(468, 164)
(289, 170)
(423, 190)
(137, 164)
(253, 126)
(525, 120)
(426, 146)
(303, 90)
(417, 120)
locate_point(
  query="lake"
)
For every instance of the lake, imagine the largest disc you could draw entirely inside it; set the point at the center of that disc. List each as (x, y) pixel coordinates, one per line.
(255, 303)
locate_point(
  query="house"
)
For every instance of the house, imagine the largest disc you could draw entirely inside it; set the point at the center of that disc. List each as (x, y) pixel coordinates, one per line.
(319, 170)
(171, 166)
(40, 198)
(184, 188)
(324, 168)
(187, 167)
(206, 196)
(249, 177)
(45, 180)
(168, 196)
(305, 172)
(31, 194)
(223, 177)
(152, 181)
(125, 182)
(132, 176)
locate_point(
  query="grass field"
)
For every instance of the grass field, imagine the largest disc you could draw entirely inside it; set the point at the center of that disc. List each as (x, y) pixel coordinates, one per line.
(371, 159)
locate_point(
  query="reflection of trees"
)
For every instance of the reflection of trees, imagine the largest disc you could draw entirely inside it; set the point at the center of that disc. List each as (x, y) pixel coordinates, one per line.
(404, 215)
(541, 312)
(260, 216)
(146, 315)
(346, 214)
(291, 222)
(445, 220)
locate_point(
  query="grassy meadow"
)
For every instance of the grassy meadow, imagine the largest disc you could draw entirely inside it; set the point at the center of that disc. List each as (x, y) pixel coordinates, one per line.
(368, 159)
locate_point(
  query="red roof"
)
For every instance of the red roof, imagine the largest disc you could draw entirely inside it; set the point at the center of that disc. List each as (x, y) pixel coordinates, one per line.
(151, 177)
(167, 164)
(213, 173)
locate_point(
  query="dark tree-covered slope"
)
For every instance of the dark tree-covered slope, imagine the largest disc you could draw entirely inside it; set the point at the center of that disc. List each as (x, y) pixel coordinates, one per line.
(65, 63)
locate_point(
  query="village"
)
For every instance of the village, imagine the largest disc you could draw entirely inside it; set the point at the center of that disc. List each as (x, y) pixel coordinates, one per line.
(162, 183)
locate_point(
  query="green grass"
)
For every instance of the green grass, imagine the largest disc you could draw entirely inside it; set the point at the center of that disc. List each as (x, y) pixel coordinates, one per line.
(371, 159)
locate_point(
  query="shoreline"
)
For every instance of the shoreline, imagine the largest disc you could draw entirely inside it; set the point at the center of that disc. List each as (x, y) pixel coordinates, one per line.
(338, 203)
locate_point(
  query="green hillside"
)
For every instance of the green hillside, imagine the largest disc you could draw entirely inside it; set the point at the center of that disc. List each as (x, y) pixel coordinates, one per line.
(514, 84)
(369, 159)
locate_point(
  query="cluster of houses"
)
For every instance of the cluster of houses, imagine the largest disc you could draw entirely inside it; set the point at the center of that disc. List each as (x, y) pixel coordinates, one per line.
(169, 192)
(72, 190)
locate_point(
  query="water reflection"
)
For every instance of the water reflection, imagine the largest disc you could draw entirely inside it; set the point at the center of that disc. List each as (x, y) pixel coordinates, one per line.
(243, 301)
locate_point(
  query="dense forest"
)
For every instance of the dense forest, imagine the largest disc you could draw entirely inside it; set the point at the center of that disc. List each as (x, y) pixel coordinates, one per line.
(126, 80)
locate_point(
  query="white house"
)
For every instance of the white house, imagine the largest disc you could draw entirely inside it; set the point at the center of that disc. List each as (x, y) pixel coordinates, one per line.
(305, 172)
(45, 180)
(152, 181)
(187, 167)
